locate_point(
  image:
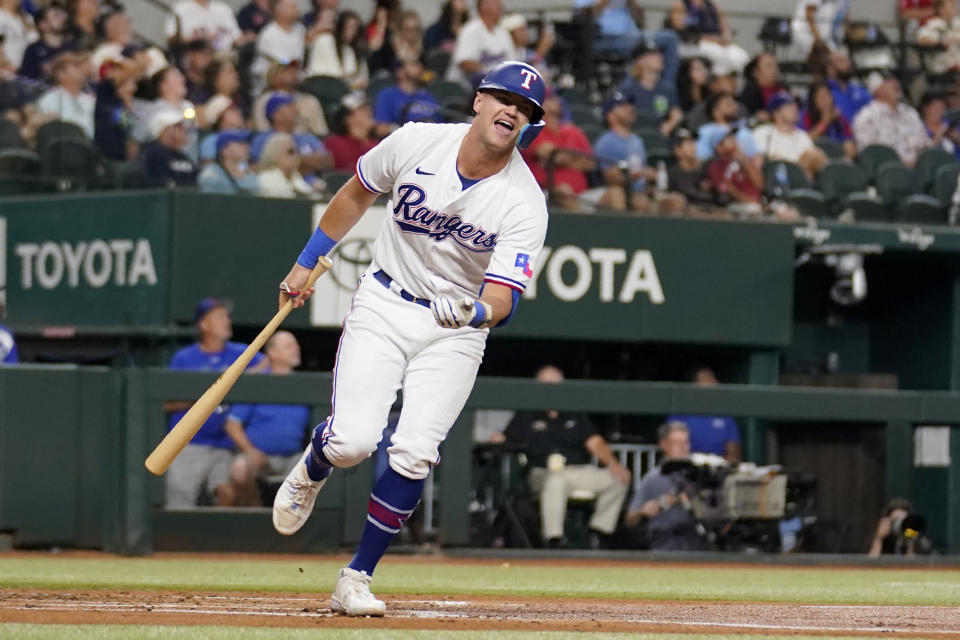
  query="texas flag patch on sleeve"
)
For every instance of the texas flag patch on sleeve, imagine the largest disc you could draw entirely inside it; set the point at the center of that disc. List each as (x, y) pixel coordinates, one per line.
(523, 262)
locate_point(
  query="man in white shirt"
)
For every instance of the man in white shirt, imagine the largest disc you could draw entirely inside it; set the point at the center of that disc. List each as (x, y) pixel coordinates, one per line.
(481, 43)
(210, 20)
(283, 40)
(16, 31)
(782, 140)
(67, 99)
(886, 120)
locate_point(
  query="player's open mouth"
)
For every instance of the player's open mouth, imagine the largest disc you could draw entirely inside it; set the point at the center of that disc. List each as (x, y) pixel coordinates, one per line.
(504, 127)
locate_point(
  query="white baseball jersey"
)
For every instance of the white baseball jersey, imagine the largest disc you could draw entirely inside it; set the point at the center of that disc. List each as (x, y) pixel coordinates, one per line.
(442, 238)
(214, 22)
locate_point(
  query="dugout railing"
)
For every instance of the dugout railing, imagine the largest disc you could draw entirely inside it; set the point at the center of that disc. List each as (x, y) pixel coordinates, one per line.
(90, 428)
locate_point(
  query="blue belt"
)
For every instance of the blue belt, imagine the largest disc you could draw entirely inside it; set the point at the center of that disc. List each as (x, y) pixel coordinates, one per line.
(382, 277)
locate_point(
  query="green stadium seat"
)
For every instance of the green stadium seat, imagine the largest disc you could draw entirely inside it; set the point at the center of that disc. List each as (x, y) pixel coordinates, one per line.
(930, 161)
(76, 159)
(19, 162)
(574, 95)
(57, 130)
(445, 89)
(838, 180)
(584, 114)
(797, 179)
(945, 183)
(437, 60)
(593, 131)
(922, 209)
(10, 135)
(895, 182)
(833, 149)
(810, 203)
(867, 208)
(336, 179)
(329, 90)
(874, 156)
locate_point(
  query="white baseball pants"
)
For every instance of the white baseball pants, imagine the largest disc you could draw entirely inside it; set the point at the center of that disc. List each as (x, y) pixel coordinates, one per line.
(389, 343)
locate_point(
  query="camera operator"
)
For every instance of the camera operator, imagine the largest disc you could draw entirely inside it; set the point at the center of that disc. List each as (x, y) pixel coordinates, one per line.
(900, 531)
(663, 500)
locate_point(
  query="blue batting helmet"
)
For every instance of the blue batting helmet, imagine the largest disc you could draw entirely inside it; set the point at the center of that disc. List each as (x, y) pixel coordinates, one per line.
(523, 80)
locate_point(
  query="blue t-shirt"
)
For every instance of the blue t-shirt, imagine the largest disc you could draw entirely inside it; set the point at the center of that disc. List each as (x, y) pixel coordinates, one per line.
(850, 100)
(658, 100)
(709, 134)
(612, 148)
(709, 434)
(8, 347)
(192, 358)
(395, 106)
(275, 429)
(614, 20)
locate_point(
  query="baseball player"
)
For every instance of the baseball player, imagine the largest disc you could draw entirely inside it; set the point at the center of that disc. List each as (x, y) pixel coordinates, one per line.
(468, 219)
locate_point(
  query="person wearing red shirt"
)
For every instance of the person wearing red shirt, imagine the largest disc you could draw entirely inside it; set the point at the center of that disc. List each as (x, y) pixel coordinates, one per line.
(737, 183)
(568, 187)
(356, 137)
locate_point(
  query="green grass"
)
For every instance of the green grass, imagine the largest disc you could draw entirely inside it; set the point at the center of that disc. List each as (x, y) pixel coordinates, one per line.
(128, 632)
(401, 575)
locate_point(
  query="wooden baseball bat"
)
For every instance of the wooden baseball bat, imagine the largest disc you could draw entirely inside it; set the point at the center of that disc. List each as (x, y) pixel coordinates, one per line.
(183, 432)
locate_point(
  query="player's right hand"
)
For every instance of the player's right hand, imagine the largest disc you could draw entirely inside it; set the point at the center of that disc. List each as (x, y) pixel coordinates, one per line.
(296, 280)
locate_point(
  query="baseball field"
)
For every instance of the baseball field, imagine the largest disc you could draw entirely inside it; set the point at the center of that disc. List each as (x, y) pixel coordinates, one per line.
(235, 597)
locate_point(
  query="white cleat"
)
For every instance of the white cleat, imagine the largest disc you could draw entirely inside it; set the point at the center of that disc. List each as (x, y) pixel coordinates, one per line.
(293, 503)
(352, 595)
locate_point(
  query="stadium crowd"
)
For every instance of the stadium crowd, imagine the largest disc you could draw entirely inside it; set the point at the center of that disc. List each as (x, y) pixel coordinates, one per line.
(281, 103)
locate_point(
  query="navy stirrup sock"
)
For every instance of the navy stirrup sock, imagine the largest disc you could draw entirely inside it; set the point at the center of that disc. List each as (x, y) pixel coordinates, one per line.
(318, 467)
(393, 499)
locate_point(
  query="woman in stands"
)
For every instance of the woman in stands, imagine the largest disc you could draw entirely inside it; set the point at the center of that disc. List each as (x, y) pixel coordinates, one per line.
(279, 175)
(822, 119)
(442, 34)
(342, 53)
(762, 83)
(692, 79)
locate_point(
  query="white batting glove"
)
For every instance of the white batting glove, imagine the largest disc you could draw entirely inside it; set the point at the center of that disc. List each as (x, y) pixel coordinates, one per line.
(453, 314)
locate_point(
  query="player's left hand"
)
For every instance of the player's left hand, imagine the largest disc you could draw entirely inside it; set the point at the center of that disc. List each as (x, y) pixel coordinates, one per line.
(453, 314)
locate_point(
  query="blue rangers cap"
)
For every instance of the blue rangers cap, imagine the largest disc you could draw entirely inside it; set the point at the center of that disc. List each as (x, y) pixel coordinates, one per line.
(523, 80)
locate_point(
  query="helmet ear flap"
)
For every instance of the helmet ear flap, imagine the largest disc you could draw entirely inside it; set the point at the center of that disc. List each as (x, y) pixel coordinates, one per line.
(528, 133)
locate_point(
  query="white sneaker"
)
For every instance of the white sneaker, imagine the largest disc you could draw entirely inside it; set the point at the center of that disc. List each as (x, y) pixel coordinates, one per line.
(293, 503)
(352, 595)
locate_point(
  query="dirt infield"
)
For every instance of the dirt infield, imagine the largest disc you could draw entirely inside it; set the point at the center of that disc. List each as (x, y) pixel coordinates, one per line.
(474, 613)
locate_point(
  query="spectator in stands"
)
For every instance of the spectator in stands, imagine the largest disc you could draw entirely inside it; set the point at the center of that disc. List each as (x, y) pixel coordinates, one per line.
(782, 140)
(688, 176)
(942, 133)
(38, 57)
(942, 30)
(197, 57)
(848, 93)
(706, 20)
(558, 446)
(718, 435)
(285, 79)
(818, 21)
(210, 20)
(8, 345)
(736, 179)
(322, 16)
(404, 44)
(253, 17)
(205, 462)
(16, 31)
(692, 83)
(724, 113)
(386, 20)
(282, 41)
(660, 502)
(163, 160)
(230, 173)
(481, 44)
(822, 119)
(117, 34)
(442, 34)
(83, 23)
(516, 26)
(225, 116)
(68, 99)
(221, 87)
(649, 90)
(698, 115)
(405, 101)
(896, 534)
(170, 89)
(915, 12)
(621, 153)
(887, 120)
(313, 157)
(113, 110)
(763, 81)
(279, 176)
(565, 145)
(357, 133)
(268, 437)
(619, 25)
(342, 52)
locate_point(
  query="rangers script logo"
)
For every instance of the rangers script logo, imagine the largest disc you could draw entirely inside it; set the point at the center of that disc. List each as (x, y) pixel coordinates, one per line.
(414, 218)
